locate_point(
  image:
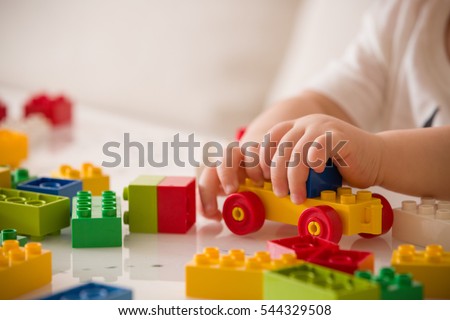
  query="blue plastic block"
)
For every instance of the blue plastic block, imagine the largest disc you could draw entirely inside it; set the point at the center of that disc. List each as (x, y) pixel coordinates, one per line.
(329, 179)
(93, 291)
(58, 187)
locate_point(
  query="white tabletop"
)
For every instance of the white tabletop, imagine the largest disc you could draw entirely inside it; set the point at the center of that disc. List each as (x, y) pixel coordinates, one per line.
(152, 265)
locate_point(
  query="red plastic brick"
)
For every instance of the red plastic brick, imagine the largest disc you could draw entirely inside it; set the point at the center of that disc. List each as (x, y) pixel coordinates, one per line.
(322, 252)
(58, 110)
(303, 246)
(239, 133)
(3, 111)
(176, 204)
(344, 260)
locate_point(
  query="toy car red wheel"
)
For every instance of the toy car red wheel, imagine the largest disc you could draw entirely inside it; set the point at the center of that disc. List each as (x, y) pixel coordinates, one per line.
(322, 222)
(387, 217)
(243, 213)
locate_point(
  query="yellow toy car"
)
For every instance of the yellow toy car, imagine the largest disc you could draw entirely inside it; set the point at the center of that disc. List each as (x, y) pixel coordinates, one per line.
(332, 211)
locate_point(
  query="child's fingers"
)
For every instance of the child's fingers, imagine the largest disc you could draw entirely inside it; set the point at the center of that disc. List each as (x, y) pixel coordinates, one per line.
(208, 190)
(228, 169)
(252, 167)
(269, 146)
(298, 170)
(316, 156)
(278, 171)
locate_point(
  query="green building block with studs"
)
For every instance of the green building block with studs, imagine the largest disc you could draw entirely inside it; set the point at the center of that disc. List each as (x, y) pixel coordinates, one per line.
(96, 220)
(11, 234)
(142, 214)
(32, 214)
(394, 286)
(313, 282)
(20, 175)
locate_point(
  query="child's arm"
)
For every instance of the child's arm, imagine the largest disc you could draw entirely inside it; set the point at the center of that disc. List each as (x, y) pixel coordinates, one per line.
(416, 161)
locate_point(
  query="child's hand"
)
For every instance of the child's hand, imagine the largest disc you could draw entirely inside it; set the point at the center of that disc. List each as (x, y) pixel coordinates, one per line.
(357, 154)
(225, 179)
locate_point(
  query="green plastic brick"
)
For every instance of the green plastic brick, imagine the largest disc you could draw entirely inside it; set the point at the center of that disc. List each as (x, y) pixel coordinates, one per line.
(394, 286)
(11, 234)
(314, 282)
(142, 214)
(20, 175)
(96, 221)
(33, 214)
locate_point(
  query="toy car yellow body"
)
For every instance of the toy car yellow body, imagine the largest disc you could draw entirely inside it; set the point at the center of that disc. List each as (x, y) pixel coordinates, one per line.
(328, 216)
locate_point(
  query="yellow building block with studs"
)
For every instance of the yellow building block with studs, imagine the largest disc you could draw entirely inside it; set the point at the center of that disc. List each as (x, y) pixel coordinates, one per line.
(91, 176)
(23, 269)
(431, 267)
(14, 148)
(359, 213)
(5, 177)
(211, 275)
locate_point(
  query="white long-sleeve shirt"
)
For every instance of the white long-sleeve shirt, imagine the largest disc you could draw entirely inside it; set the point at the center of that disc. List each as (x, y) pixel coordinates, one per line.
(396, 73)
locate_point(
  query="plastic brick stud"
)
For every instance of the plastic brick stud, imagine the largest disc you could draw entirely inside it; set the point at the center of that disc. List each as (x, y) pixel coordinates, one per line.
(11, 234)
(430, 267)
(33, 214)
(5, 177)
(313, 282)
(211, 275)
(142, 214)
(93, 291)
(176, 204)
(96, 221)
(428, 222)
(92, 177)
(14, 147)
(20, 175)
(394, 286)
(57, 110)
(23, 269)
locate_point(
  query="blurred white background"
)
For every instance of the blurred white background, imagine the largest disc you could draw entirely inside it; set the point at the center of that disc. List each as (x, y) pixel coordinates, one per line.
(206, 66)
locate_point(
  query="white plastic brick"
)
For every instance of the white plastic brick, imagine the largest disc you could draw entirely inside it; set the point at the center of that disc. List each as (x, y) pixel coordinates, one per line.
(423, 224)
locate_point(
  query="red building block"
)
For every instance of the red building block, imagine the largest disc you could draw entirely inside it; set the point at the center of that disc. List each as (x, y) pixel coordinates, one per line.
(176, 204)
(322, 252)
(58, 110)
(303, 246)
(3, 111)
(344, 260)
(239, 133)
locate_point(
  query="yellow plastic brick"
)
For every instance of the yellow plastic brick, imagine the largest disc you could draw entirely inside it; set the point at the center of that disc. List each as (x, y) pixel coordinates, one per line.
(5, 177)
(431, 267)
(23, 269)
(14, 148)
(92, 177)
(212, 275)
